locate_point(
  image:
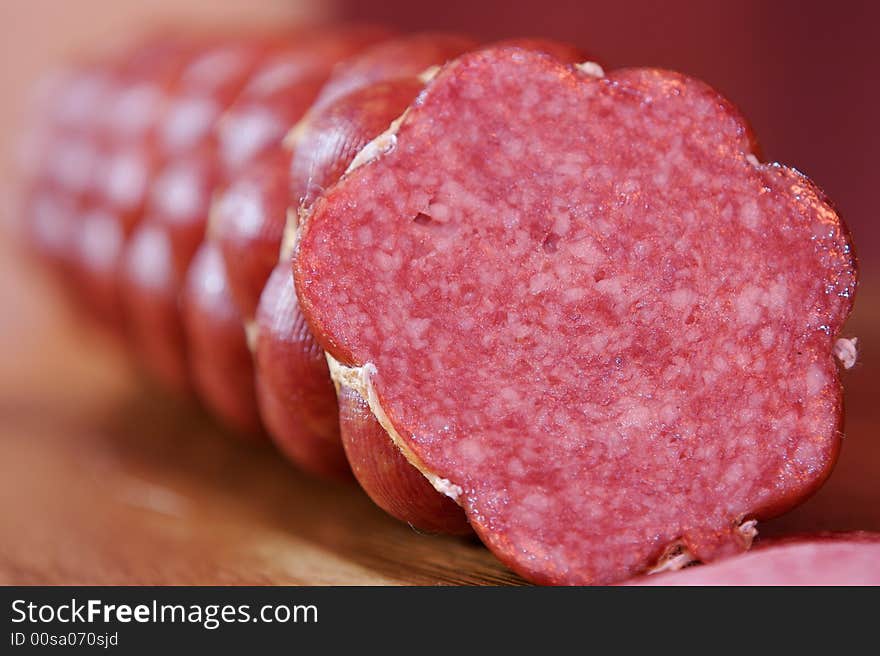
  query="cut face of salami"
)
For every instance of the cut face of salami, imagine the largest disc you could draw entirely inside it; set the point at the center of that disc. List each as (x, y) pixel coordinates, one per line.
(841, 559)
(583, 309)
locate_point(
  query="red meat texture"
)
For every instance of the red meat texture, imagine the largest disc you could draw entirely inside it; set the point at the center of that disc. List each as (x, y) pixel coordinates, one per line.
(587, 312)
(220, 360)
(296, 397)
(841, 559)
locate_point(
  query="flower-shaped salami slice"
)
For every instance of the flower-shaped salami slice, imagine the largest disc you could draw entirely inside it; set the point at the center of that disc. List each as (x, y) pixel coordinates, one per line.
(583, 309)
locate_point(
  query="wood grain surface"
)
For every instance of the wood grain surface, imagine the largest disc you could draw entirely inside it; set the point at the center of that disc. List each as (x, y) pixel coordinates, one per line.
(106, 481)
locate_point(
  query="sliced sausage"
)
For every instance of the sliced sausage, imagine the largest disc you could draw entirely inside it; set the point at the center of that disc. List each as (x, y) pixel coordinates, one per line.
(585, 311)
(825, 559)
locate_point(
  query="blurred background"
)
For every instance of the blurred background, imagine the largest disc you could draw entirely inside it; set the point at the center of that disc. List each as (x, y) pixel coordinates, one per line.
(804, 73)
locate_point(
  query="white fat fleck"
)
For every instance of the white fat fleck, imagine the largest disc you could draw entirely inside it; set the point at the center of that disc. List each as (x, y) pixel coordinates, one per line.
(586, 251)
(365, 236)
(719, 363)
(417, 327)
(515, 468)
(189, 120)
(359, 379)
(661, 177)
(178, 192)
(74, 163)
(212, 284)
(637, 416)
(216, 67)
(777, 296)
(540, 282)
(600, 342)
(429, 74)
(572, 294)
(49, 220)
(682, 297)
(750, 214)
(590, 68)
(244, 204)
(274, 77)
(439, 212)
(562, 224)
(126, 179)
(382, 144)
(815, 379)
(610, 286)
(149, 263)
(767, 337)
(669, 413)
(386, 262)
(244, 135)
(751, 159)
(81, 100)
(135, 108)
(102, 240)
(845, 351)
(805, 455)
(747, 304)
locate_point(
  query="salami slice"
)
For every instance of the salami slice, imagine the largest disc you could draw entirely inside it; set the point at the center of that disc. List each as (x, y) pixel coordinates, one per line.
(281, 90)
(405, 56)
(132, 118)
(41, 122)
(128, 157)
(584, 310)
(150, 304)
(208, 86)
(296, 396)
(220, 362)
(249, 224)
(826, 559)
(294, 391)
(63, 172)
(155, 261)
(176, 212)
(249, 137)
(326, 144)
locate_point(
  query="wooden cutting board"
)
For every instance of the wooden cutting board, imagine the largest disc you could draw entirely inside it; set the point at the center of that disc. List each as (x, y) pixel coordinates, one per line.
(105, 481)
